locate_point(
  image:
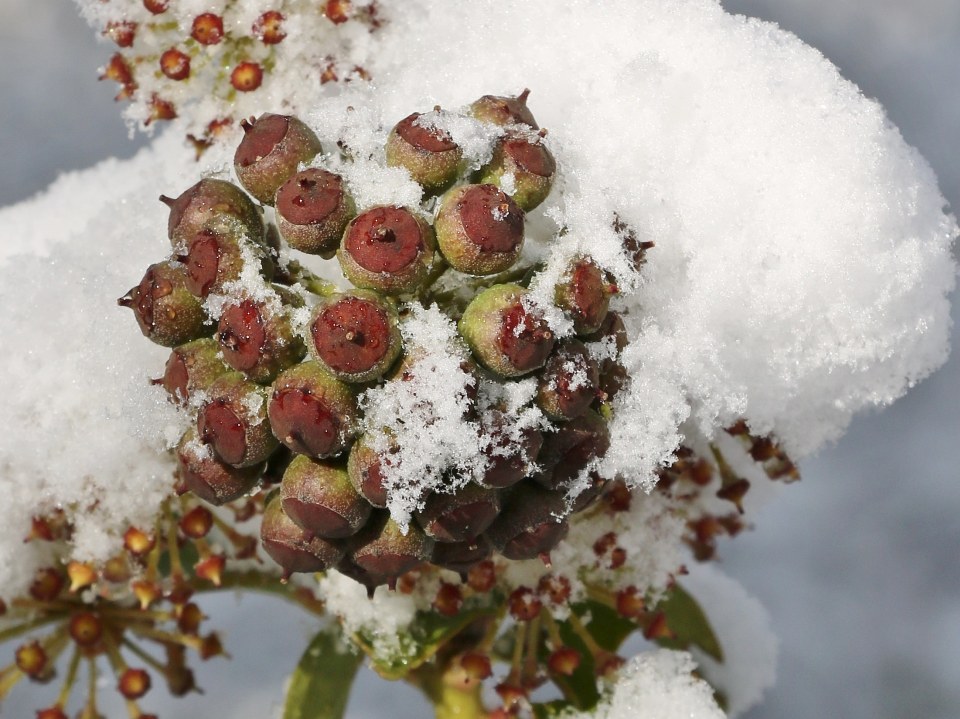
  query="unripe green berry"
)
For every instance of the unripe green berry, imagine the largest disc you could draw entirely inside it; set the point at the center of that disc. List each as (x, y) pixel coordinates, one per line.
(389, 249)
(320, 498)
(313, 208)
(355, 335)
(506, 337)
(212, 200)
(233, 421)
(431, 157)
(499, 110)
(479, 229)
(191, 368)
(272, 148)
(312, 412)
(523, 167)
(168, 314)
(292, 547)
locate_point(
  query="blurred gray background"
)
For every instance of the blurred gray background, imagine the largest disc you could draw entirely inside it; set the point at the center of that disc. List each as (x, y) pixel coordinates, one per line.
(859, 564)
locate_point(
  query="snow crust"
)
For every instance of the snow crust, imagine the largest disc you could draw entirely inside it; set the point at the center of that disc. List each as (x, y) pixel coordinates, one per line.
(657, 685)
(799, 274)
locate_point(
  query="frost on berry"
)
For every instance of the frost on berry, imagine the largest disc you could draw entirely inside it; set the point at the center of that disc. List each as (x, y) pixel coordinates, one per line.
(313, 208)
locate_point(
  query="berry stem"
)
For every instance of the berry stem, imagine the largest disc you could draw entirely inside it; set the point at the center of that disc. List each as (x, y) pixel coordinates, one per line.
(531, 660)
(437, 271)
(8, 679)
(13, 632)
(70, 679)
(450, 697)
(147, 658)
(581, 631)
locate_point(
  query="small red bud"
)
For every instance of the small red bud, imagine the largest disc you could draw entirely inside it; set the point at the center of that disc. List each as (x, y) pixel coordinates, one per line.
(121, 33)
(449, 600)
(564, 660)
(86, 628)
(268, 27)
(524, 604)
(211, 646)
(157, 7)
(175, 64)
(630, 603)
(54, 712)
(211, 568)
(47, 585)
(134, 683)
(189, 618)
(657, 628)
(138, 543)
(477, 666)
(482, 576)
(197, 522)
(246, 77)
(146, 592)
(160, 109)
(207, 29)
(555, 588)
(81, 575)
(337, 11)
(31, 660)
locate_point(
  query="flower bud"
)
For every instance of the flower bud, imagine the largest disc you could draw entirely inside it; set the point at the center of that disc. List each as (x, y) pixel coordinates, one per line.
(384, 552)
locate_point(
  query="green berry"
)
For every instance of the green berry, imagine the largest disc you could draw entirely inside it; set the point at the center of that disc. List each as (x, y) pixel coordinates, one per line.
(212, 200)
(431, 157)
(167, 312)
(233, 421)
(320, 498)
(313, 208)
(506, 337)
(499, 110)
(479, 229)
(272, 148)
(389, 249)
(192, 368)
(312, 412)
(523, 167)
(355, 335)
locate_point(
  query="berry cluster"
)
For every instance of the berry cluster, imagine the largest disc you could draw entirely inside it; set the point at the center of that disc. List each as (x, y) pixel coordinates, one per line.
(275, 380)
(168, 57)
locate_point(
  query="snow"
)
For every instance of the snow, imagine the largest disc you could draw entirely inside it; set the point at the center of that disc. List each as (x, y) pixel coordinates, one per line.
(799, 275)
(657, 685)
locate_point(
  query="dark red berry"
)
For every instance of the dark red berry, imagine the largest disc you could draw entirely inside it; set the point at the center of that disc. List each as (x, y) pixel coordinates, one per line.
(510, 459)
(207, 29)
(584, 295)
(384, 551)
(208, 477)
(531, 522)
(479, 229)
(292, 547)
(460, 557)
(257, 338)
(573, 446)
(192, 368)
(389, 249)
(569, 382)
(167, 313)
(313, 208)
(175, 64)
(503, 334)
(312, 412)
(461, 515)
(320, 498)
(355, 335)
(271, 149)
(233, 421)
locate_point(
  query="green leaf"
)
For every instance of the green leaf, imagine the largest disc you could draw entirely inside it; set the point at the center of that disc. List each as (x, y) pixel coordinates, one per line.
(689, 624)
(429, 631)
(549, 710)
(320, 685)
